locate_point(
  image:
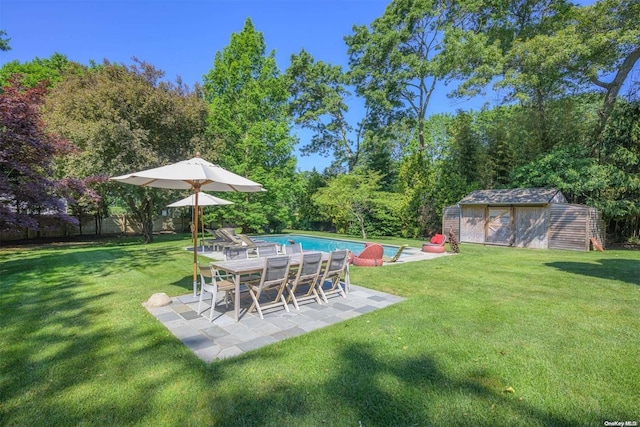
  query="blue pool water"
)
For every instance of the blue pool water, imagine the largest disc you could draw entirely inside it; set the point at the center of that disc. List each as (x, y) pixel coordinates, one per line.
(312, 243)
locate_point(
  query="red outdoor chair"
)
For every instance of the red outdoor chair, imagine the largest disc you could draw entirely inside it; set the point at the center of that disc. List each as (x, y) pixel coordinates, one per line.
(371, 256)
(436, 245)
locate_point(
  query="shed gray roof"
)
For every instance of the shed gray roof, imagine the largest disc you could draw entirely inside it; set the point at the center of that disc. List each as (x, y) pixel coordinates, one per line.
(516, 196)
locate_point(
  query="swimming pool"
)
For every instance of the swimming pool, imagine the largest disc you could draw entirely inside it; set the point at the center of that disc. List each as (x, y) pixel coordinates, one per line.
(324, 244)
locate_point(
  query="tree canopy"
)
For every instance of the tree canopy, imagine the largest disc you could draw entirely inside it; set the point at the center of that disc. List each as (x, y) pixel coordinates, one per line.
(249, 130)
(558, 115)
(125, 119)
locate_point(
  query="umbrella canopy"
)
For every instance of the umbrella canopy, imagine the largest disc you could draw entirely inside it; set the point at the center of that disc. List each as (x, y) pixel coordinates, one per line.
(204, 199)
(194, 174)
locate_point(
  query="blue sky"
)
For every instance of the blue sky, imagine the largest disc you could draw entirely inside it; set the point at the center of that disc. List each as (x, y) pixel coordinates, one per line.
(182, 37)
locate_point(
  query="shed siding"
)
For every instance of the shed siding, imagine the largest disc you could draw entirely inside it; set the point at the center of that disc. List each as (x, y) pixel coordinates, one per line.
(531, 228)
(596, 226)
(472, 224)
(568, 227)
(451, 220)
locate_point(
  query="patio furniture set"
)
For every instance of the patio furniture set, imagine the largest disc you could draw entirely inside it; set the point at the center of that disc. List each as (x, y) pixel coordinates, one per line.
(273, 280)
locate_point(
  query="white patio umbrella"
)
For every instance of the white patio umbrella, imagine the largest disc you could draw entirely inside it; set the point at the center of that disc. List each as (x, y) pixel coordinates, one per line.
(195, 174)
(204, 199)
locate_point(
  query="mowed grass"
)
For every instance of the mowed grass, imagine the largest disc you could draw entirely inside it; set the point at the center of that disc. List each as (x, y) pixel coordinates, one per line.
(492, 336)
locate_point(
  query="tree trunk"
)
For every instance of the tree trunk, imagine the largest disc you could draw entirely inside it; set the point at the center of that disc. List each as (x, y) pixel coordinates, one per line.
(147, 224)
(611, 96)
(144, 216)
(98, 220)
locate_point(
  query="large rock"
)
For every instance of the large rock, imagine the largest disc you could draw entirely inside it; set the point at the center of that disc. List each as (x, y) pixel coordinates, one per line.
(157, 300)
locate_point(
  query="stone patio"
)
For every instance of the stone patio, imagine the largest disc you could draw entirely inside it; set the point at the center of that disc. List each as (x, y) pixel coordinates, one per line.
(225, 338)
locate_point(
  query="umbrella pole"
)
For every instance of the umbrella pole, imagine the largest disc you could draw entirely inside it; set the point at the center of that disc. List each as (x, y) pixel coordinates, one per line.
(202, 227)
(194, 236)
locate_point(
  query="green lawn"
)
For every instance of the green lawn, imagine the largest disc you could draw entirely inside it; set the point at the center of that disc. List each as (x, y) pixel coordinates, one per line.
(492, 336)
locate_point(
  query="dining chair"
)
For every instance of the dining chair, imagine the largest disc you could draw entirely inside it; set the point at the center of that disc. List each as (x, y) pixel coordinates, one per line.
(267, 250)
(236, 253)
(212, 282)
(274, 277)
(307, 275)
(295, 248)
(332, 274)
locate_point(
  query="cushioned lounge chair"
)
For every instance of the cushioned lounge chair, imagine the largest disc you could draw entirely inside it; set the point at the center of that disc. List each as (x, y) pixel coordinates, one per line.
(216, 242)
(230, 235)
(371, 256)
(250, 241)
(435, 245)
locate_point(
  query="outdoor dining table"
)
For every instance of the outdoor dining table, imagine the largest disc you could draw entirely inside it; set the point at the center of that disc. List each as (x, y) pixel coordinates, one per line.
(243, 267)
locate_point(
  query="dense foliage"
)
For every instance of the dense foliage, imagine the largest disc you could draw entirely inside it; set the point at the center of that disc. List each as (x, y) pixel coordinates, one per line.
(27, 188)
(249, 131)
(563, 112)
(125, 119)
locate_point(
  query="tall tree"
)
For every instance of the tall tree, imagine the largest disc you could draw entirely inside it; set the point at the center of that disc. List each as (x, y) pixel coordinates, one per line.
(250, 129)
(607, 36)
(544, 50)
(27, 185)
(394, 63)
(4, 41)
(320, 96)
(620, 202)
(124, 119)
(307, 216)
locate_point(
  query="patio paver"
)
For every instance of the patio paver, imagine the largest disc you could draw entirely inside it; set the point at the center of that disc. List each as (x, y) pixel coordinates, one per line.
(224, 338)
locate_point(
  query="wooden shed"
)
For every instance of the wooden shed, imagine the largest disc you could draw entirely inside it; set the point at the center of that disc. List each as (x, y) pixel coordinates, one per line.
(524, 217)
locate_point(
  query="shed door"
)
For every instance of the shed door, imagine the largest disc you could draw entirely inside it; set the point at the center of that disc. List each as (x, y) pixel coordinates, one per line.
(472, 224)
(499, 226)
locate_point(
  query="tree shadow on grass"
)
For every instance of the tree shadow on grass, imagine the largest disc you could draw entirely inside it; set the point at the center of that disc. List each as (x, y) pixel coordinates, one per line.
(364, 389)
(64, 329)
(63, 364)
(626, 270)
(103, 261)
